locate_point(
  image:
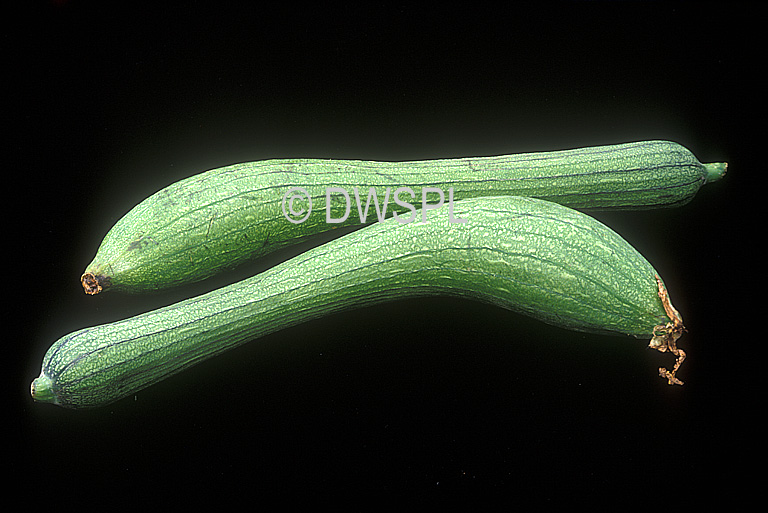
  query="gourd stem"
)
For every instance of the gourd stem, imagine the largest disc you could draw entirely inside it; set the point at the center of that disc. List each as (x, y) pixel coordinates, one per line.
(92, 283)
(715, 171)
(665, 336)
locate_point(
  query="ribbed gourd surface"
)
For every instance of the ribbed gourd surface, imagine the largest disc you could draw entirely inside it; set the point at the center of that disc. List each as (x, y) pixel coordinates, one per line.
(527, 255)
(218, 219)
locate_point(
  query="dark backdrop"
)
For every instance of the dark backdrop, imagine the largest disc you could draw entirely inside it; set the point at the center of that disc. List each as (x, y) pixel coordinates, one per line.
(416, 400)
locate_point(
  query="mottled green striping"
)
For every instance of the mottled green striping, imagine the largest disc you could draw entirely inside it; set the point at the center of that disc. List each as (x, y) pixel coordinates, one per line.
(527, 255)
(201, 225)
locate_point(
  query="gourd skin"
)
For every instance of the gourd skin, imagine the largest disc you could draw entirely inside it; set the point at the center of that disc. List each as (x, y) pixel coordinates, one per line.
(531, 256)
(204, 224)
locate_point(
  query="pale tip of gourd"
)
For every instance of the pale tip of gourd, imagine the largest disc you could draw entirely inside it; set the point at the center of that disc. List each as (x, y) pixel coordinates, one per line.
(42, 390)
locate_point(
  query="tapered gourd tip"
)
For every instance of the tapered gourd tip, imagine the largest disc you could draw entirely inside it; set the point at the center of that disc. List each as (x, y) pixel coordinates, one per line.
(42, 390)
(715, 171)
(93, 283)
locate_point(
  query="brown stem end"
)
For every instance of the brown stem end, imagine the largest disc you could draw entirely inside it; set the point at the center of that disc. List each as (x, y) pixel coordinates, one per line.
(665, 336)
(94, 283)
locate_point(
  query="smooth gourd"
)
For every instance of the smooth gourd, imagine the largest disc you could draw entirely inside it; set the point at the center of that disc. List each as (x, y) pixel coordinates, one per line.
(206, 223)
(528, 255)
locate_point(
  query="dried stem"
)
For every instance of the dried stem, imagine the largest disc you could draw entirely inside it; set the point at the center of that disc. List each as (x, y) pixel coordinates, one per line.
(665, 336)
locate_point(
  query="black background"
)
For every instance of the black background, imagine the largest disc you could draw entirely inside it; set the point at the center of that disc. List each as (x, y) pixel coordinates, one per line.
(417, 400)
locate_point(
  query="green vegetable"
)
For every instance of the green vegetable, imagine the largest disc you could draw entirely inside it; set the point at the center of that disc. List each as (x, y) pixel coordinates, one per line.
(528, 255)
(201, 225)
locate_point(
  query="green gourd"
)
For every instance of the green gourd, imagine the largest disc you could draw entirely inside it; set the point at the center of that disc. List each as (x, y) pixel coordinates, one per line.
(218, 219)
(528, 255)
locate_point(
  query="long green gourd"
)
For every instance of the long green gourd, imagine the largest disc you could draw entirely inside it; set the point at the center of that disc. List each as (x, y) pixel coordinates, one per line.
(528, 255)
(201, 225)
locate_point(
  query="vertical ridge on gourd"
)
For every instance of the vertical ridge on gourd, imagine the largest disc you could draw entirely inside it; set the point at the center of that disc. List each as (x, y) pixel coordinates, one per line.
(527, 255)
(204, 224)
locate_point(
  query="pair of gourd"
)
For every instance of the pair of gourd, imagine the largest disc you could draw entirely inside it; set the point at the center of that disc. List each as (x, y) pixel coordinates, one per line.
(509, 235)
